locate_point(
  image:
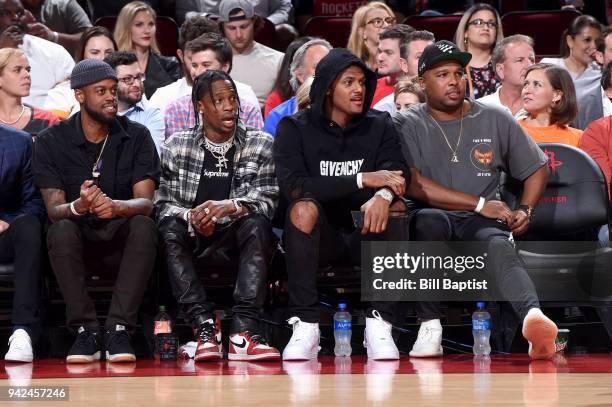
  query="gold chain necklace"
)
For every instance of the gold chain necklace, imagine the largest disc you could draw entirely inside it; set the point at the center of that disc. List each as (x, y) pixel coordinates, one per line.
(454, 158)
(23, 108)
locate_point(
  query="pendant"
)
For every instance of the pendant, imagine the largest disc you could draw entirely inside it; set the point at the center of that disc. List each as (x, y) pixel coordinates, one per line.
(454, 159)
(95, 174)
(222, 163)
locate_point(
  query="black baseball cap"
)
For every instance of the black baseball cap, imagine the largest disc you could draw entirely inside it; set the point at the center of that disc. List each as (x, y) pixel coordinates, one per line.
(441, 51)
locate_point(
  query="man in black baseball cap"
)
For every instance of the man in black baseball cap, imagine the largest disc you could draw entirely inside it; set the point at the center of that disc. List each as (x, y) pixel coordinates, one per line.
(465, 145)
(97, 173)
(442, 51)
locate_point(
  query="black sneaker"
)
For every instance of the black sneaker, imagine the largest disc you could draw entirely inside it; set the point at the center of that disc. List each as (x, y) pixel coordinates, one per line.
(85, 348)
(118, 348)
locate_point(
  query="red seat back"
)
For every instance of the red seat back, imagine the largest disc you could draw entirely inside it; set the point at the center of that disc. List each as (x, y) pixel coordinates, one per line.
(443, 27)
(545, 27)
(336, 30)
(266, 34)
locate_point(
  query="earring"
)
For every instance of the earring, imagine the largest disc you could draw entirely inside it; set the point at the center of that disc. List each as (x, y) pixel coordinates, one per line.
(465, 40)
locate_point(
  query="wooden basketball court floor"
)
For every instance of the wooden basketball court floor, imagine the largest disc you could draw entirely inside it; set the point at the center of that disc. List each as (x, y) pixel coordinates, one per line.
(455, 380)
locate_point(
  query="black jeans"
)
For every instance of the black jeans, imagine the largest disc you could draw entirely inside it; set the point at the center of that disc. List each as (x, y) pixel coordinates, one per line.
(249, 239)
(72, 244)
(504, 262)
(324, 246)
(22, 244)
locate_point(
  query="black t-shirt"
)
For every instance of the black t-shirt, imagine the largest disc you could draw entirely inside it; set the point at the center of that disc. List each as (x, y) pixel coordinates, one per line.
(215, 181)
(63, 158)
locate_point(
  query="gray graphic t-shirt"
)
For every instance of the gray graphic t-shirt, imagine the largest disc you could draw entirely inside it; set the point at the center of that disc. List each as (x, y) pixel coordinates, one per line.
(492, 143)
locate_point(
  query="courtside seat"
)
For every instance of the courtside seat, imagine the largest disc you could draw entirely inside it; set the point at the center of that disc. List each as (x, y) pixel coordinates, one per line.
(6, 272)
(560, 251)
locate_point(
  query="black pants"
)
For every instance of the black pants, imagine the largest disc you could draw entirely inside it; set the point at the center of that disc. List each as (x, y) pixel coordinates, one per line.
(71, 243)
(248, 238)
(324, 246)
(505, 264)
(21, 244)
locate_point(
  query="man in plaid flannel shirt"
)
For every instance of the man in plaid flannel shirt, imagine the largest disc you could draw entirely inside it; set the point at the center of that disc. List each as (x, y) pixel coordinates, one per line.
(209, 51)
(217, 194)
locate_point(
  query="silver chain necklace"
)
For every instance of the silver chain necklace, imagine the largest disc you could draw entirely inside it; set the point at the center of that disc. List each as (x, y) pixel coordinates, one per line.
(454, 158)
(219, 150)
(23, 109)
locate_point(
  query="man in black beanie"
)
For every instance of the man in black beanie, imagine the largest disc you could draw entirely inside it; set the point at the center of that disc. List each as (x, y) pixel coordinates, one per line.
(97, 173)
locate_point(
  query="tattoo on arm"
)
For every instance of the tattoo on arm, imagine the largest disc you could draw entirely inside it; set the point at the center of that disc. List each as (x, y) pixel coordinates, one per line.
(55, 202)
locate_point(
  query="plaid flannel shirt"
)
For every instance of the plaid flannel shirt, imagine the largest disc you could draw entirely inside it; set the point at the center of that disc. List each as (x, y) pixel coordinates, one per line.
(179, 115)
(253, 183)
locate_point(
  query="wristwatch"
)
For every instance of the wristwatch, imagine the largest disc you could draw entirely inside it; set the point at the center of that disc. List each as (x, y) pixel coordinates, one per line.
(529, 211)
(385, 194)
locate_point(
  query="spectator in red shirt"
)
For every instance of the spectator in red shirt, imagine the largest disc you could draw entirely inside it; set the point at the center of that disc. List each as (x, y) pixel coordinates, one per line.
(409, 49)
(399, 50)
(282, 90)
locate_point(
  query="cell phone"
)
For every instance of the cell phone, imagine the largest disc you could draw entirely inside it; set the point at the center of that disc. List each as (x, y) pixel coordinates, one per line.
(357, 219)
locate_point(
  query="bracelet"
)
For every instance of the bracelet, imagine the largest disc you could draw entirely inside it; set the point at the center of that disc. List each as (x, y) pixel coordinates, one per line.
(481, 204)
(529, 211)
(360, 180)
(73, 209)
(55, 36)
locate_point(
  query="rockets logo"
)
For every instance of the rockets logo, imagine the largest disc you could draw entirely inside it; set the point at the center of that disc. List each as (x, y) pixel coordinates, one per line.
(552, 163)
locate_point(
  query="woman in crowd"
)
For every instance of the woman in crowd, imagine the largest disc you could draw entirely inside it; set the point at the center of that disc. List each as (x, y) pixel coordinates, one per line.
(282, 90)
(407, 93)
(549, 98)
(95, 43)
(135, 32)
(303, 94)
(368, 21)
(578, 54)
(15, 84)
(478, 32)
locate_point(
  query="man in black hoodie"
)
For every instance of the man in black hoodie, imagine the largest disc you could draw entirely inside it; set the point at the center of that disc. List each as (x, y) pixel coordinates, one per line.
(331, 159)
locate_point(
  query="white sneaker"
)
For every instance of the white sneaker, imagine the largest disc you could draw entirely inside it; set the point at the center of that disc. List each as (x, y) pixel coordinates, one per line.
(429, 340)
(304, 343)
(377, 339)
(20, 347)
(540, 332)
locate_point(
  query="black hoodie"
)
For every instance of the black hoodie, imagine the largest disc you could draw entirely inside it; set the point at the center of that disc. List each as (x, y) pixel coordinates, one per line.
(315, 158)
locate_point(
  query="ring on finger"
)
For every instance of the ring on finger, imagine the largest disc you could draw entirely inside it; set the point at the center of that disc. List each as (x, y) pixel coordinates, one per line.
(214, 219)
(206, 211)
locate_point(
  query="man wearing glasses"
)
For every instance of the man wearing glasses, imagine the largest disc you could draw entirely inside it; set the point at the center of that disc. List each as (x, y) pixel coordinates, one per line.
(130, 88)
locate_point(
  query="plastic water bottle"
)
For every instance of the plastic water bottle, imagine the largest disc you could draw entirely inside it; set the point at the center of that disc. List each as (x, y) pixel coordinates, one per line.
(343, 328)
(481, 329)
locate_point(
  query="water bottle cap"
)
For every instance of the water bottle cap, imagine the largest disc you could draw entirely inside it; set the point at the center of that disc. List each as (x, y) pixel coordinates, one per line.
(342, 306)
(162, 308)
(480, 304)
